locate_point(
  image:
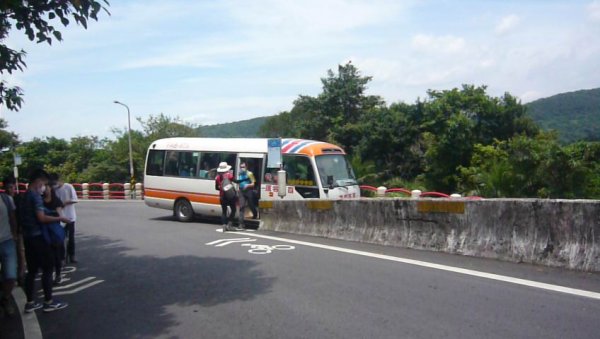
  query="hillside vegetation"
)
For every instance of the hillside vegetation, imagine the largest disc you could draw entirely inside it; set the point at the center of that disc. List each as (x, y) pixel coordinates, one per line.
(238, 129)
(575, 115)
(455, 140)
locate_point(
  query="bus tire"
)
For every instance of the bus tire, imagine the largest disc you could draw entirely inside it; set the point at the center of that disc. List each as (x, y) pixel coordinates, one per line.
(183, 210)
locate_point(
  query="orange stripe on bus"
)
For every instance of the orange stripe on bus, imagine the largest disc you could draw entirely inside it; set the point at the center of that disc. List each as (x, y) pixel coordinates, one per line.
(317, 149)
(192, 197)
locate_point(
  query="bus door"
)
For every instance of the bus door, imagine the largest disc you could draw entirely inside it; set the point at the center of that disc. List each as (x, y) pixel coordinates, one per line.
(255, 163)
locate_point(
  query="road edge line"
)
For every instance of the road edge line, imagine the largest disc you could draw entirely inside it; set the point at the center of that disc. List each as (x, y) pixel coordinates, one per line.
(491, 276)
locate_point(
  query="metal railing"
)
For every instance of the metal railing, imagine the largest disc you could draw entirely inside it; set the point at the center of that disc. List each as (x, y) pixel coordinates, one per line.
(102, 191)
(383, 191)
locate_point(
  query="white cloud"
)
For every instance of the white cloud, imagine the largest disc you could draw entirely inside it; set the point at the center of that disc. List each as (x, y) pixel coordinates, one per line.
(190, 54)
(314, 15)
(209, 111)
(507, 24)
(436, 44)
(487, 63)
(593, 9)
(219, 61)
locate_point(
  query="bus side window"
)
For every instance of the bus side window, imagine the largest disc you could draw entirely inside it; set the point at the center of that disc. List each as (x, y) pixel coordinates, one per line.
(299, 170)
(187, 163)
(210, 161)
(156, 160)
(172, 167)
(203, 172)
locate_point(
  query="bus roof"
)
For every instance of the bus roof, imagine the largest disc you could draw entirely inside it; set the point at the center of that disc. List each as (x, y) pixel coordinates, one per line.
(246, 145)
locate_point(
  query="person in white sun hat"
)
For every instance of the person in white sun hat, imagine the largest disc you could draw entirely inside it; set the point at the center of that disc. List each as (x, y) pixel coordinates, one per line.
(227, 194)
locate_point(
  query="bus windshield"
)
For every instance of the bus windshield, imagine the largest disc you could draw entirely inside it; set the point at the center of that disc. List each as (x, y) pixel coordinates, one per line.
(336, 167)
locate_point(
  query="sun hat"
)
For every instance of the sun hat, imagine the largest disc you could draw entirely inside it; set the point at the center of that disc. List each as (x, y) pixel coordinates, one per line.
(223, 167)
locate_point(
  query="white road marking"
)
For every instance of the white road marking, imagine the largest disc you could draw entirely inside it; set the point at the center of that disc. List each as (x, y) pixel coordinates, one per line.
(64, 287)
(220, 230)
(68, 269)
(225, 242)
(79, 289)
(266, 249)
(517, 281)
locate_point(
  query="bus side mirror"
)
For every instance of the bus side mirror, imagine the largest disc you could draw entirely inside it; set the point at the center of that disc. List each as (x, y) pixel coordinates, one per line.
(330, 181)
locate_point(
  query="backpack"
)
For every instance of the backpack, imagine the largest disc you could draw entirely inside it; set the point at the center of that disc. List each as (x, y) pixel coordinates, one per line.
(53, 233)
(228, 189)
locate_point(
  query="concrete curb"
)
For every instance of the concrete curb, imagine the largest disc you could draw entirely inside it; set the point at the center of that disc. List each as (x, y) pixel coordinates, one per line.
(31, 326)
(559, 233)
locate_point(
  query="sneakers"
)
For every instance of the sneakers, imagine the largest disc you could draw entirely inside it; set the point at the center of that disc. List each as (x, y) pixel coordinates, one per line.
(54, 305)
(32, 306)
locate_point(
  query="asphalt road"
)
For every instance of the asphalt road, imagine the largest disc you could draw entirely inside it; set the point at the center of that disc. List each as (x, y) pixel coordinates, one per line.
(142, 275)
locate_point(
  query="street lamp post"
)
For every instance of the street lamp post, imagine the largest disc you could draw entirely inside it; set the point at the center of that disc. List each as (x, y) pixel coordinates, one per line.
(130, 152)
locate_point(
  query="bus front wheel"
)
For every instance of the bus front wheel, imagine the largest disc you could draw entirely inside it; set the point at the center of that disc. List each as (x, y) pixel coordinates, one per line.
(183, 210)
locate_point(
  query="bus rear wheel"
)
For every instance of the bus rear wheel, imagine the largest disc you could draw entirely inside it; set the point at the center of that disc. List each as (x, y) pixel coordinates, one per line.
(183, 210)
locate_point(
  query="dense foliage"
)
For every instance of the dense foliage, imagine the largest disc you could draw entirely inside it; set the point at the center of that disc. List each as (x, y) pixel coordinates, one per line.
(458, 140)
(89, 159)
(575, 115)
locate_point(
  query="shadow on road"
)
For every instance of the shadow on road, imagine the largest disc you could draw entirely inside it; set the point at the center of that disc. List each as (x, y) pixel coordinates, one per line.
(133, 301)
(250, 223)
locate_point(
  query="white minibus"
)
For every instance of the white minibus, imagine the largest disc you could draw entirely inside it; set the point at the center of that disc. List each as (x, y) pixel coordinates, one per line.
(180, 172)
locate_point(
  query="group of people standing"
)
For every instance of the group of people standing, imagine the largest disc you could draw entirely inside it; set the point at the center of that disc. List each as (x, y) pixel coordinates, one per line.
(246, 197)
(32, 237)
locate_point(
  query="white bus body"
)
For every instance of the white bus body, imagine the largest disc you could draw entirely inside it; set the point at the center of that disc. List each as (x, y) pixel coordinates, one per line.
(179, 172)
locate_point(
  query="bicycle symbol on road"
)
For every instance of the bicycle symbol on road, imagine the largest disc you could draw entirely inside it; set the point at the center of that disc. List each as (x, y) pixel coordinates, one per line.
(266, 249)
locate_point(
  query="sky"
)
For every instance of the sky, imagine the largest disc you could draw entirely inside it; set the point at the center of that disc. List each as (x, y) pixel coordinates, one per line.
(218, 61)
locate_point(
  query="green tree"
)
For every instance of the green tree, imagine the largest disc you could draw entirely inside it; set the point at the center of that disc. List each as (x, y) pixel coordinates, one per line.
(116, 162)
(80, 156)
(37, 19)
(386, 138)
(533, 167)
(334, 115)
(8, 143)
(118, 150)
(163, 126)
(455, 120)
(586, 155)
(280, 125)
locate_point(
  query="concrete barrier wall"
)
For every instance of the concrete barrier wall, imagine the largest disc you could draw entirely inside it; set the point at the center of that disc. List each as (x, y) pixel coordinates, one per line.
(564, 233)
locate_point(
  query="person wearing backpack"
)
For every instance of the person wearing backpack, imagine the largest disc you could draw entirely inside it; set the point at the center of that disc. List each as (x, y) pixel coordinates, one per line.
(54, 206)
(38, 250)
(247, 196)
(227, 194)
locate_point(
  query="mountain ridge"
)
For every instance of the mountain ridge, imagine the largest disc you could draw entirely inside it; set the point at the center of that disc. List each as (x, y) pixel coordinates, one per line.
(575, 115)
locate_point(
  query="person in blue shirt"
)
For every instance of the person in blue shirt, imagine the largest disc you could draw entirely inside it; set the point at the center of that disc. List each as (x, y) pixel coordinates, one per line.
(248, 195)
(38, 251)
